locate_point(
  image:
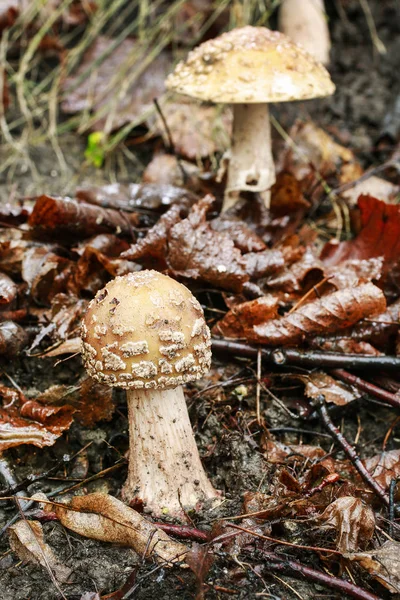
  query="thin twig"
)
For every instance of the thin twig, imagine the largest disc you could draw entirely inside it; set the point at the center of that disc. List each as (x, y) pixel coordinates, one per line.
(368, 387)
(319, 404)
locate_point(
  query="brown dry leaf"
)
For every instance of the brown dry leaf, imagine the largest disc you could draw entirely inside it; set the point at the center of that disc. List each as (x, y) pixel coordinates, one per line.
(69, 220)
(265, 263)
(71, 346)
(200, 560)
(198, 130)
(287, 196)
(353, 272)
(103, 517)
(96, 85)
(382, 563)
(328, 314)
(134, 196)
(27, 541)
(277, 452)
(303, 273)
(384, 467)
(166, 170)
(373, 186)
(379, 237)
(196, 251)
(334, 391)
(348, 346)
(353, 521)
(313, 146)
(242, 317)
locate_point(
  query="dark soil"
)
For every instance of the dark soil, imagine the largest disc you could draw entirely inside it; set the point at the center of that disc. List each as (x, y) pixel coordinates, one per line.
(367, 86)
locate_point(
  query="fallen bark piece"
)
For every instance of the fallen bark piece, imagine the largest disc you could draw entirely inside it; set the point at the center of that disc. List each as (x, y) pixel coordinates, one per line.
(330, 313)
(27, 541)
(103, 517)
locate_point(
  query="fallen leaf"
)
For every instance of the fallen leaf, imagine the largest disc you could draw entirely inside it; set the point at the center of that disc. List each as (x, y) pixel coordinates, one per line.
(287, 196)
(97, 87)
(134, 196)
(200, 560)
(197, 252)
(27, 541)
(353, 521)
(15, 431)
(382, 563)
(265, 263)
(45, 273)
(330, 313)
(379, 237)
(8, 289)
(384, 467)
(103, 517)
(353, 272)
(69, 220)
(318, 383)
(13, 339)
(242, 236)
(198, 130)
(373, 186)
(166, 170)
(242, 317)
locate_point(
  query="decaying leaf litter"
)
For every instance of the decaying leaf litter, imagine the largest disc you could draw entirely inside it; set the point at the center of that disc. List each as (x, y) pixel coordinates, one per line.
(288, 275)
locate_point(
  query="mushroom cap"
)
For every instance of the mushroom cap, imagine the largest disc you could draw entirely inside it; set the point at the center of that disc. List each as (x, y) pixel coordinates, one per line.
(145, 330)
(250, 65)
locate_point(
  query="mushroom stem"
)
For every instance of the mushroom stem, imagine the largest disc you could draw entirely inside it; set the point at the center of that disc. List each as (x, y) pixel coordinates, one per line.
(165, 471)
(251, 166)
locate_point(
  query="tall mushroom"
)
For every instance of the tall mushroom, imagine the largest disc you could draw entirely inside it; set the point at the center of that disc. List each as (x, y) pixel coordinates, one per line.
(250, 67)
(146, 333)
(305, 22)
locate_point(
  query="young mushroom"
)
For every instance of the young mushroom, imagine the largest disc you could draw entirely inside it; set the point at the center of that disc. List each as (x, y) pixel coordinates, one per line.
(305, 22)
(146, 333)
(250, 67)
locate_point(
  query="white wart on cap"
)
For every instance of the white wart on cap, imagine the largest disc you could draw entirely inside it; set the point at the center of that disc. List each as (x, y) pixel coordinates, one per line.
(145, 330)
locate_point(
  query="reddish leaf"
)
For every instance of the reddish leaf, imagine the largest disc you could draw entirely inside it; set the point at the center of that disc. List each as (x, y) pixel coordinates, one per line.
(328, 314)
(56, 419)
(238, 321)
(196, 251)
(287, 197)
(379, 236)
(68, 219)
(45, 273)
(200, 560)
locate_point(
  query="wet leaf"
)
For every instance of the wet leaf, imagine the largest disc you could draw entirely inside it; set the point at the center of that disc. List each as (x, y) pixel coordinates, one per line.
(300, 275)
(265, 263)
(134, 196)
(328, 314)
(8, 289)
(379, 237)
(353, 521)
(102, 517)
(45, 273)
(13, 339)
(66, 219)
(151, 250)
(353, 272)
(242, 236)
(335, 392)
(93, 86)
(384, 467)
(15, 431)
(287, 196)
(382, 563)
(27, 541)
(55, 418)
(238, 321)
(200, 561)
(197, 252)
(373, 186)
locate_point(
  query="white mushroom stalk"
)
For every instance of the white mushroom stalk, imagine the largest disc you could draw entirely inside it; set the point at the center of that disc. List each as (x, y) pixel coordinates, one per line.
(250, 67)
(305, 22)
(165, 470)
(251, 165)
(146, 333)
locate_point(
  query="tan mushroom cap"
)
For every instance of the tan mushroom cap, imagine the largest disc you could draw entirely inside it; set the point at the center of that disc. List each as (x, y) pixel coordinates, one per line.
(250, 65)
(145, 330)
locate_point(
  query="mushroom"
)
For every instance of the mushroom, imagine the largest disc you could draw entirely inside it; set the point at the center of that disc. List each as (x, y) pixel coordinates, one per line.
(250, 67)
(305, 22)
(146, 333)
